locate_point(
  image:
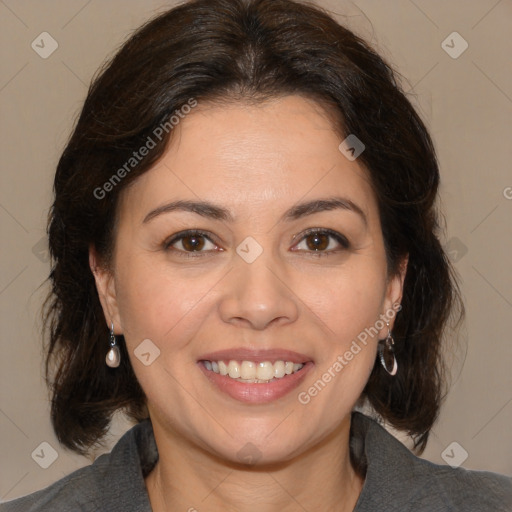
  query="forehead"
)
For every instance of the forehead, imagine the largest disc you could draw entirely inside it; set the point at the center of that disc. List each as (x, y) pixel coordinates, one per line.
(247, 157)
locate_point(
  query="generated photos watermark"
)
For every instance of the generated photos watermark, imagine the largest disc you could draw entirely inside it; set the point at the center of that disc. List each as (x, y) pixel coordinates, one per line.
(144, 150)
(304, 397)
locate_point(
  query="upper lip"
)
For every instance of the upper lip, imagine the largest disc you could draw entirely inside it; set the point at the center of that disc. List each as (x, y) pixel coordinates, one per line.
(258, 355)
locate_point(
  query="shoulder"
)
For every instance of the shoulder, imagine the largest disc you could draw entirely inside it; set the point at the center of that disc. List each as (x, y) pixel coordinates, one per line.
(395, 476)
(113, 482)
(74, 492)
(450, 488)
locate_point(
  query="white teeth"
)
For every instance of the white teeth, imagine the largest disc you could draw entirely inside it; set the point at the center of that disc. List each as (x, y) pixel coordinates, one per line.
(234, 369)
(265, 370)
(249, 371)
(223, 369)
(279, 369)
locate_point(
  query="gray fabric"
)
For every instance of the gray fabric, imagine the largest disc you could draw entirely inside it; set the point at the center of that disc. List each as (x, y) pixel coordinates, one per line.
(396, 480)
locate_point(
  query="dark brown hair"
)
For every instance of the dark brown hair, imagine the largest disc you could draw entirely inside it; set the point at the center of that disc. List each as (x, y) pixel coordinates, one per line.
(226, 50)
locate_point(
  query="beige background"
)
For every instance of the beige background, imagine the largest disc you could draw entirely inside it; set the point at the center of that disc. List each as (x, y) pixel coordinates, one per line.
(466, 102)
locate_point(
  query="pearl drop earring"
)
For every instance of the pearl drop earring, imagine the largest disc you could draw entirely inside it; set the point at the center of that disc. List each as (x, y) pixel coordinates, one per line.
(113, 358)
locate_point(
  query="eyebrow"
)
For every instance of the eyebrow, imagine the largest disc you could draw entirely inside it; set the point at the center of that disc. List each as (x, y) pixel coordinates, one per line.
(212, 211)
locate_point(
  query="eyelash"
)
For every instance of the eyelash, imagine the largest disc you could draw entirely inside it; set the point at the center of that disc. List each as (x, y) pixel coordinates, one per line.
(199, 233)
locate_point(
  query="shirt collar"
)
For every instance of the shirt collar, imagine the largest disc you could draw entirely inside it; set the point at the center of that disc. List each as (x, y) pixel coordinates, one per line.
(372, 449)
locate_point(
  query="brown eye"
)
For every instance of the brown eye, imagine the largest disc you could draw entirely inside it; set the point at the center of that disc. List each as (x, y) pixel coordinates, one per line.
(193, 243)
(317, 241)
(323, 242)
(189, 242)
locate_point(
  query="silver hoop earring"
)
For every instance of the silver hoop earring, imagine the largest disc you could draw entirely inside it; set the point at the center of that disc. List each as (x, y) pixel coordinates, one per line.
(387, 353)
(113, 358)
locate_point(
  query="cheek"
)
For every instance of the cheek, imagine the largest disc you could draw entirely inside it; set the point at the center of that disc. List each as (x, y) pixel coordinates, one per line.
(347, 355)
(347, 307)
(157, 304)
(346, 300)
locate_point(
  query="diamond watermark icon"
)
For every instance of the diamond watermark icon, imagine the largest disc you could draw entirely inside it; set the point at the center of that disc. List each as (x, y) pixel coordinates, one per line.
(454, 454)
(249, 454)
(44, 45)
(455, 249)
(351, 147)
(454, 45)
(147, 352)
(41, 251)
(45, 455)
(249, 250)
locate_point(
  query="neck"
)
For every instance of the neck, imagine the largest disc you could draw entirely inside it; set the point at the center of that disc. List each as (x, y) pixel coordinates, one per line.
(189, 478)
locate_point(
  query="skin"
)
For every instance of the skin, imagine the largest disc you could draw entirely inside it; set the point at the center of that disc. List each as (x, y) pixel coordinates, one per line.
(256, 161)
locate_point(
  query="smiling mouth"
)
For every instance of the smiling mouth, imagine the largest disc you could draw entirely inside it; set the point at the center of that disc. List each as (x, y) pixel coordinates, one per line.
(251, 372)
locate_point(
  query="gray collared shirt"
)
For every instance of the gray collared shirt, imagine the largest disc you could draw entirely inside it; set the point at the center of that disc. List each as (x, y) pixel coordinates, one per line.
(395, 479)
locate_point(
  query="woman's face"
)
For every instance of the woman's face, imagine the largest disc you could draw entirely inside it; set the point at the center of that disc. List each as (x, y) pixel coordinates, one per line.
(254, 280)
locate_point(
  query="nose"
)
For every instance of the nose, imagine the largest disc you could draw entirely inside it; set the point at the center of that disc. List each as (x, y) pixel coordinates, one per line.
(257, 294)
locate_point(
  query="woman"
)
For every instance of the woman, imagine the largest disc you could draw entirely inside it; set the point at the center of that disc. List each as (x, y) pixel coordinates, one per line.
(245, 251)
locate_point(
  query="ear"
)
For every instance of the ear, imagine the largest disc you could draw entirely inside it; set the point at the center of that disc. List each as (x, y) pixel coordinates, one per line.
(105, 285)
(393, 298)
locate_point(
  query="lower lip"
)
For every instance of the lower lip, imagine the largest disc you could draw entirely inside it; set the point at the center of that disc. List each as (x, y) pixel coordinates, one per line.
(256, 393)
